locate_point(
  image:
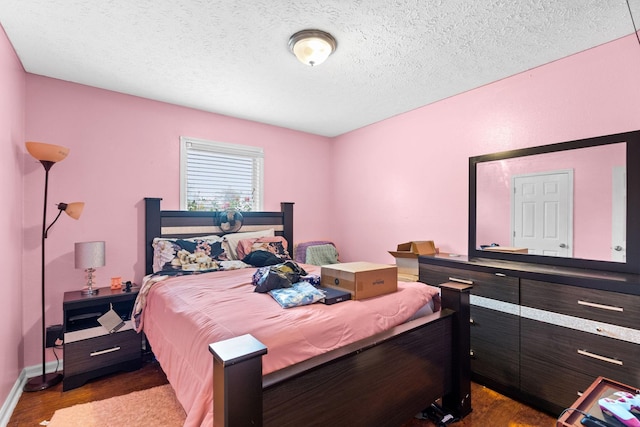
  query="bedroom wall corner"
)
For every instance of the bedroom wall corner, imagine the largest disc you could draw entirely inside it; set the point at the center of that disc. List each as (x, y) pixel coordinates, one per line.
(12, 137)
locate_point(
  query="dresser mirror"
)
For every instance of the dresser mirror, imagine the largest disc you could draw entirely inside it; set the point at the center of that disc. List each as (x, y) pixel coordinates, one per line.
(571, 204)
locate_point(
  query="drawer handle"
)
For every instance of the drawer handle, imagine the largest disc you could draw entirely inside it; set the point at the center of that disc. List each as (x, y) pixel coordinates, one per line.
(500, 274)
(471, 321)
(603, 358)
(465, 281)
(601, 306)
(108, 350)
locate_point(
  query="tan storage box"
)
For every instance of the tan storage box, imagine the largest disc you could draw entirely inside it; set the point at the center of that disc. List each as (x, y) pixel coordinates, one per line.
(407, 255)
(362, 279)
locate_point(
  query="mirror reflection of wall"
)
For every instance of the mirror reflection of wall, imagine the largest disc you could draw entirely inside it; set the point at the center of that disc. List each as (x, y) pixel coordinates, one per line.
(593, 193)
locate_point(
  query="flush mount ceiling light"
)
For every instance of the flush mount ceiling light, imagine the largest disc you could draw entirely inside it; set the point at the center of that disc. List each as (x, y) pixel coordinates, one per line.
(312, 47)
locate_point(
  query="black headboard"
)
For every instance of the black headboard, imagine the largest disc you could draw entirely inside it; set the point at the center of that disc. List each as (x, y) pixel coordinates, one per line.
(159, 223)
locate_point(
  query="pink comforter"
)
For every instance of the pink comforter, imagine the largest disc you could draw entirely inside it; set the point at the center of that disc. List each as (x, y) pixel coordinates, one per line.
(183, 315)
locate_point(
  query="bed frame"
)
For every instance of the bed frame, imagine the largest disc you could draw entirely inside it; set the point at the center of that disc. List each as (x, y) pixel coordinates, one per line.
(383, 380)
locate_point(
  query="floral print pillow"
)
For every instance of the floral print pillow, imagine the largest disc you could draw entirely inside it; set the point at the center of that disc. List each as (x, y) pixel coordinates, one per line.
(277, 245)
(188, 254)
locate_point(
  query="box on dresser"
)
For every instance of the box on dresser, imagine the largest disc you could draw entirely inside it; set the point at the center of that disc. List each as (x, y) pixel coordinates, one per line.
(406, 256)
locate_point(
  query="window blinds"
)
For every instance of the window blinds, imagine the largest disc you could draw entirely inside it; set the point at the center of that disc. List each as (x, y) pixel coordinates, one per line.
(218, 176)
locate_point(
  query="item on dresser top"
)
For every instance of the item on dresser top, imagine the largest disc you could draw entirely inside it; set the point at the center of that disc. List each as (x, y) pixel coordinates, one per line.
(407, 255)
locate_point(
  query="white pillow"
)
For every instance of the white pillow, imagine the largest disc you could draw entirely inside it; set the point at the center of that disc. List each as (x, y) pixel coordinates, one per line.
(233, 239)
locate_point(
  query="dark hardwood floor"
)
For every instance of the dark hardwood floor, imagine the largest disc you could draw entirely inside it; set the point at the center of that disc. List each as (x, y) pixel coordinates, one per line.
(490, 409)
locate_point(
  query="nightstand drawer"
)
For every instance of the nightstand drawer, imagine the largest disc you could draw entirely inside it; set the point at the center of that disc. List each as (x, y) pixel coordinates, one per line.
(580, 351)
(95, 353)
(490, 285)
(601, 306)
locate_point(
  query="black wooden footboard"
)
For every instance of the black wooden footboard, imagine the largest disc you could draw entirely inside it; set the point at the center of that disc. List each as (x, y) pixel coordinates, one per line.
(382, 380)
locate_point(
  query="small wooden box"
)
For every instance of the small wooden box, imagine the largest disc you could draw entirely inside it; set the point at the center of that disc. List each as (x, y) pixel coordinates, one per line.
(588, 402)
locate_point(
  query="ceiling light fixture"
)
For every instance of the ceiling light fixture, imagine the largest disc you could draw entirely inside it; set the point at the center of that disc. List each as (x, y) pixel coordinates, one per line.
(312, 47)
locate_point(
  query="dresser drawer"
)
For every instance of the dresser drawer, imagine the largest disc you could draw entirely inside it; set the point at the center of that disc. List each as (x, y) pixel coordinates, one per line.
(544, 380)
(96, 353)
(490, 285)
(499, 329)
(601, 306)
(495, 346)
(580, 351)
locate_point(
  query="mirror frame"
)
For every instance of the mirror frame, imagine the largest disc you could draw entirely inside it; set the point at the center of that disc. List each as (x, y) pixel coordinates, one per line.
(632, 265)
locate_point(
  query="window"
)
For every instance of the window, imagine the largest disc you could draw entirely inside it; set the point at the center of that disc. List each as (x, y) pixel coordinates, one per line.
(217, 176)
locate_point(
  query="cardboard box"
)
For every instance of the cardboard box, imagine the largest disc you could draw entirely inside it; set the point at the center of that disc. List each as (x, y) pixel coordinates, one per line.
(407, 255)
(361, 279)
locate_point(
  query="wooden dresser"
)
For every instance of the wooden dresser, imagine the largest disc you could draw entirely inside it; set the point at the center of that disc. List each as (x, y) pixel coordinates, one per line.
(541, 333)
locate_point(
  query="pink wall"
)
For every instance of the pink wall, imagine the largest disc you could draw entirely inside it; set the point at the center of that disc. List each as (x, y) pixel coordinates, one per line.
(409, 174)
(12, 88)
(124, 148)
(592, 196)
(404, 178)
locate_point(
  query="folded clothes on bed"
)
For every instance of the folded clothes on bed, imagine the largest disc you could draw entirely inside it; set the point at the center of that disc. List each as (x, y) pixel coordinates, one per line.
(301, 293)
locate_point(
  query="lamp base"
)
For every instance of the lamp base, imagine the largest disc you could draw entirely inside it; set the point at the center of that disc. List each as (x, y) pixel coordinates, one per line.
(42, 382)
(89, 291)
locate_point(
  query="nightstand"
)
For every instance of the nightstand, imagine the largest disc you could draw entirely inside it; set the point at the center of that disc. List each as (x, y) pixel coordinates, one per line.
(90, 350)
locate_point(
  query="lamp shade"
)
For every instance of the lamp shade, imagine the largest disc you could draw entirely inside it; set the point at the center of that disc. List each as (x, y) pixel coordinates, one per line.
(74, 210)
(89, 254)
(47, 152)
(312, 47)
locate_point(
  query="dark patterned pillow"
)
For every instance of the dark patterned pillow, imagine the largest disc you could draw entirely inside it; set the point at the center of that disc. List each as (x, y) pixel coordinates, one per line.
(192, 254)
(261, 259)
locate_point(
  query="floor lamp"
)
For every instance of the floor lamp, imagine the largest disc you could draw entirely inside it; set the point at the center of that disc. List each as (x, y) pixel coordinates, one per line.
(48, 155)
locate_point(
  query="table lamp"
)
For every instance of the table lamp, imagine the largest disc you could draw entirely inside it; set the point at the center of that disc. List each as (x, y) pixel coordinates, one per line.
(89, 255)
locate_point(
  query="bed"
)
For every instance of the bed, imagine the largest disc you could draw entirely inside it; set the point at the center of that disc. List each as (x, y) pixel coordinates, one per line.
(263, 373)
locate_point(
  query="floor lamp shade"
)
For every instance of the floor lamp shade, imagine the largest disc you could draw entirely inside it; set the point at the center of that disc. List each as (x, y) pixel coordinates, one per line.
(47, 152)
(89, 256)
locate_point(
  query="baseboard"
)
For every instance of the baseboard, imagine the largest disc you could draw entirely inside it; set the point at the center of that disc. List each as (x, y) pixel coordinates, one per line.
(16, 391)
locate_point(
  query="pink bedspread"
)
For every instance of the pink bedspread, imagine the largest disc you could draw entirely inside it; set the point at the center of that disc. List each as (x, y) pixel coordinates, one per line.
(183, 315)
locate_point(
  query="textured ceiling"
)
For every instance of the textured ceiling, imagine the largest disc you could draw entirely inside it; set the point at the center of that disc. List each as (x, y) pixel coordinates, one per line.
(232, 58)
